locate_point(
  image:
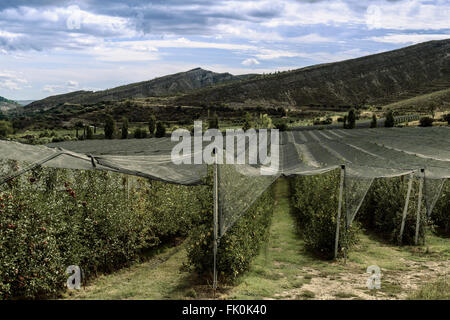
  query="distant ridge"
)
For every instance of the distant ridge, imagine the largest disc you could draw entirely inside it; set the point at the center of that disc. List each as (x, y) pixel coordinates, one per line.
(375, 79)
(164, 86)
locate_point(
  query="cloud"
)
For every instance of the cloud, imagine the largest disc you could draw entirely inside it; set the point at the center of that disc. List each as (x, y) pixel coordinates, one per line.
(311, 38)
(409, 15)
(11, 80)
(69, 86)
(250, 62)
(408, 38)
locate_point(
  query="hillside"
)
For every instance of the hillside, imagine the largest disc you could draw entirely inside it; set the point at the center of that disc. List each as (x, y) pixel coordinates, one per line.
(438, 99)
(163, 86)
(6, 104)
(376, 79)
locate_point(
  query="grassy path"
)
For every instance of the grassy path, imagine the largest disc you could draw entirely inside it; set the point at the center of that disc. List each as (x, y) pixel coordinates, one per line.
(283, 270)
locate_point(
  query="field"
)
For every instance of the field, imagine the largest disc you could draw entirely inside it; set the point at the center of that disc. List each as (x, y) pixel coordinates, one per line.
(284, 270)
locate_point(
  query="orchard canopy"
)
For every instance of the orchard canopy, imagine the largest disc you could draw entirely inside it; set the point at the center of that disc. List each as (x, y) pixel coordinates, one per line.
(361, 154)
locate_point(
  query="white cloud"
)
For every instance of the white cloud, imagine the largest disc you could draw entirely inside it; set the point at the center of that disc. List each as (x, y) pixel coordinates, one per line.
(311, 38)
(250, 62)
(11, 80)
(409, 15)
(409, 38)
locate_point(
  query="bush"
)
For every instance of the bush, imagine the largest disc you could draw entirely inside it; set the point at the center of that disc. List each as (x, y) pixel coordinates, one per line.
(315, 201)
(281, 125)
(50, 219)
(160, 130)
(426, 122)
(110, 127)
(382, 210)
(5, 129)
(389, 121)
(373, 123)
(240, 244)
(446, 117)
(440, 215)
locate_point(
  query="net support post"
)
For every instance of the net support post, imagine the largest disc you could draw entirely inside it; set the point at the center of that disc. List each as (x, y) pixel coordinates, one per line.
(405, 208)
(338, 219)
(419, 205)
(215, 222)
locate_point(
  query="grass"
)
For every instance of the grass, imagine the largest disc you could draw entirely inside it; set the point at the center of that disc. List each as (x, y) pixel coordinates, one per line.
(284, 270)
(437, 290)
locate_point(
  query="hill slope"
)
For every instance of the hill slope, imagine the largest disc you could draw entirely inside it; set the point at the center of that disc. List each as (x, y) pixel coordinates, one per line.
(6, 104)
(376, 79)
(163, 86)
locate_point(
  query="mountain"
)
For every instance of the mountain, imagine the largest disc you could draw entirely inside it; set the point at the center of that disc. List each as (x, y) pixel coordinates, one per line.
(164, 86)
(371, 80)
(6, 104)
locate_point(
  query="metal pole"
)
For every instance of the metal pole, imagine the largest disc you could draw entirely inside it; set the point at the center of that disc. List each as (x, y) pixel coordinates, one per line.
(405, 209)
(419, 206)
(216, 213)
(338, 220)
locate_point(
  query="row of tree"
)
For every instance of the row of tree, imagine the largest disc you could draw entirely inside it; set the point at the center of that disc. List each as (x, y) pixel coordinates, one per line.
(155, 129)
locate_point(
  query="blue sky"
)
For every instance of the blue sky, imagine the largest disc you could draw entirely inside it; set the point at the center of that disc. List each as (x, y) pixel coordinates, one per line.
(50, 47)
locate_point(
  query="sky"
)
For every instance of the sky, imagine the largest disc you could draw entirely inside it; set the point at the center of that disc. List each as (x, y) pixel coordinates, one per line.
(51, 47)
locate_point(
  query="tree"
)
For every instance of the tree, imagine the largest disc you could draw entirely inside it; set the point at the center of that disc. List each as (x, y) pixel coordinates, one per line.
(89, 132)
(2, 116)
(351, 119)
(110, 127)
(78, 125)
(160, 130)
(214, 122)
(152, 125)
(426, 122)
(390, 121)
(281, 125)
(446, 117)
(248, 122)
(5, 128)
(265, 122)
(124, 128)
(373, 123)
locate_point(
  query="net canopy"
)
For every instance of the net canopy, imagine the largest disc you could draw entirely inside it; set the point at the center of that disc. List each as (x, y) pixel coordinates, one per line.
(366, 154)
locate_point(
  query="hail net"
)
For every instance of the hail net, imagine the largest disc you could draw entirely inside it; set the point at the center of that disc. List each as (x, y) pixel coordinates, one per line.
(367, 154)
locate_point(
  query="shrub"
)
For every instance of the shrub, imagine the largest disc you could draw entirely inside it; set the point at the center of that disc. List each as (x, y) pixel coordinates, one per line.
(281, 125)
(50, 219)
(152, 125)
(5, 129)
(446, 117)
(389, 122)
(373, 123)
(440, 214)
(240, 244)
(315, 201)
(426, 122)
(124, 128)
(160, 130)
(110, 127)
(351, 119)
(382, 210)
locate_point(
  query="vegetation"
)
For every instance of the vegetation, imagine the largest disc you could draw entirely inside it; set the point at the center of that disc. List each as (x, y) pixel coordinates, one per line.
(152, 125)
(315, 202)
(98, 221)
(124, 128)
(213, 122)
(382, 210)
(110, 127)
(373, 123)
(426, 122)
(5, 128)
(248, 122)
(160, 130)
(390, 121)
(238, 247)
